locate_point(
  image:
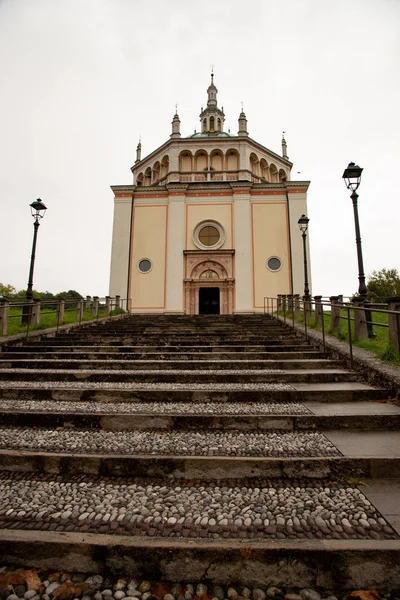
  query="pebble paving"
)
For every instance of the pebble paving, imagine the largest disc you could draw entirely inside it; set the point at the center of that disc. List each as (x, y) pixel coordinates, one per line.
(106, 385)
(227, 508)
(164, 442)
(159, 408)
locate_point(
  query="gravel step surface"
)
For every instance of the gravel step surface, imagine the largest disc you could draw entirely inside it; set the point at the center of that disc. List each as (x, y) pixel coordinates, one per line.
(100, 385)
(159, 408)
(168, 443)
(227, 509)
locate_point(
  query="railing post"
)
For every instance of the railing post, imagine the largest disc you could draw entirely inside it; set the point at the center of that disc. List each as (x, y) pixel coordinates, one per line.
(117, 301)
(35, 318)
(87, 302)
(4, 306)
(290, 302)
(79, 310)
(297, 311)
(319, 315)
(394, 323)
(95, 306)
(61, 311)
(335, 314)
(279, 302)
(360, 322)
(108, 306)
(307, 308)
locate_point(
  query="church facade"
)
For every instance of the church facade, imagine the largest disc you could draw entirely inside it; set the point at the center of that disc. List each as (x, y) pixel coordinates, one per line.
(209, 224)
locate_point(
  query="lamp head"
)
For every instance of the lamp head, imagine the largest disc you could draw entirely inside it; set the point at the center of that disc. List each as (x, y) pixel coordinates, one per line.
(38, 209)
(303, 223)
(352, 176)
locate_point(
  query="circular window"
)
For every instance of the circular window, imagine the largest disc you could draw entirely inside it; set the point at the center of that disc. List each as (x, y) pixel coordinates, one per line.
(144, 265)
(274, 263)
(209, 235)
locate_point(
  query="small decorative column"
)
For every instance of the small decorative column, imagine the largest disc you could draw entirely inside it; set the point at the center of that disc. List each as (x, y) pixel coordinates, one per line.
(4, 306)
(360, 323)
(87, 302)
(95, 306)
(117, 301)
(319, 314)
(297, 311)
(394, 323)
(335, 314)
(108, 306)
(35, 319)
(60, 311)
(79, 310)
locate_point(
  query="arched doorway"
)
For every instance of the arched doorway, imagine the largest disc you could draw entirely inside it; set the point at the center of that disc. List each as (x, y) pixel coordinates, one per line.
(209, 285)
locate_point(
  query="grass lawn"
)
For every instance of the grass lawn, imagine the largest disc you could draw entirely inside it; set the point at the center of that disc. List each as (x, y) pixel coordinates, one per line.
(48, 318)
(378, 345)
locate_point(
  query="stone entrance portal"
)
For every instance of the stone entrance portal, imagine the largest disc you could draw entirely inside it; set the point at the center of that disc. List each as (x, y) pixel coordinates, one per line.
(209, 284)
(209, 301)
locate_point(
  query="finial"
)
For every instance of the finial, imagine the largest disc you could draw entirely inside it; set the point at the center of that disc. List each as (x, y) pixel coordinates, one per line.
(242, 105)
(283, 134)
(212, 70)
(176, 108)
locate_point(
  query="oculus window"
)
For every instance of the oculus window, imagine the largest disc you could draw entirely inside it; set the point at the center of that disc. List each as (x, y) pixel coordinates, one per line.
(144, 265)
(209, 235)
(274, 263)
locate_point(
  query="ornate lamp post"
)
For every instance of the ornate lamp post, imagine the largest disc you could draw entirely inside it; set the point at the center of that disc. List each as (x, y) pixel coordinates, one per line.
(352, 179)
(303, 225)
(38, 210)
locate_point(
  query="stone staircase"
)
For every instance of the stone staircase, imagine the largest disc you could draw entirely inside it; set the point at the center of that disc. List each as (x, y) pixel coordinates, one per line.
(212, 448)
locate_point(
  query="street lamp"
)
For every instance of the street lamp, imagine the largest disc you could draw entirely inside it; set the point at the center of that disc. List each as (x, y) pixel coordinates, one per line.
(352, 179)
(38, 210)
(303, 225)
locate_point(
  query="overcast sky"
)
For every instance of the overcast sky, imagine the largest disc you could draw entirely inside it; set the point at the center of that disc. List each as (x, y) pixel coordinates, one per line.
(82, 79)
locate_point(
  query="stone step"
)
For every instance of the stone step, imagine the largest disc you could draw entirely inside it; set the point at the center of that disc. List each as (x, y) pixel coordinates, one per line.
(211, 455)
(106, 392)
(166, 354)
(119, 416)
(279, 376)
(171, 364)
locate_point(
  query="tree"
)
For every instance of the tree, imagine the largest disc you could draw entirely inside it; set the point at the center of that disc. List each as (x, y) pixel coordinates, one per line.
(7, 290)
(383, 284)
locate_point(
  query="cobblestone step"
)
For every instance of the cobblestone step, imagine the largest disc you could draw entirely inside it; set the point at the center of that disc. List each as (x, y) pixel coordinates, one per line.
(77, 391)
(163, 364)
(166, 354)
(176, 376)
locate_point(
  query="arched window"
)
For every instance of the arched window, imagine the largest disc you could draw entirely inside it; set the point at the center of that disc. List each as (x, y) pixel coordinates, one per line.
(164, 166)
(282, 175)
(217, 160)
(186, 161)
(211, 123)
(139, 180)
(254, 164)
(147, 176)
(156, 172)
(201, 162)
(274, 173)
(264, 171)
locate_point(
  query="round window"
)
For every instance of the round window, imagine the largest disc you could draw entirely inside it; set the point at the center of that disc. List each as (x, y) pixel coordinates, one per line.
(144, 265)
(209, 235)
(274, 263)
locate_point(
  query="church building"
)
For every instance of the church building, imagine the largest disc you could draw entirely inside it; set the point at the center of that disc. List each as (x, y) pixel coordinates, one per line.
(209, 225)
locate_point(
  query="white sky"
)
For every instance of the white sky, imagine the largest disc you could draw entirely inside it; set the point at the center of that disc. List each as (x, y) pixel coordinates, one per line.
(81, 79)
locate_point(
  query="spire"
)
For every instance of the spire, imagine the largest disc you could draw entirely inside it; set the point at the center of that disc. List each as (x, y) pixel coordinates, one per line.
(242, 124)
(139, 151)
(212, 93)
(176, 124)
(284, 146)
(212, 118)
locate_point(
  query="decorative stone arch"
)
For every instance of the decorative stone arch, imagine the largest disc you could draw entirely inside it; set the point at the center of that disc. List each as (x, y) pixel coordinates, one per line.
(264, 169)
(164, 167)
(282, 175)
(232, 160)
(273, 173)
(186, 161)
(254, 164)
(200, 160)
(147, 176)
(156, 171)
(139, 179)
(217, 160)
(209, 269)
